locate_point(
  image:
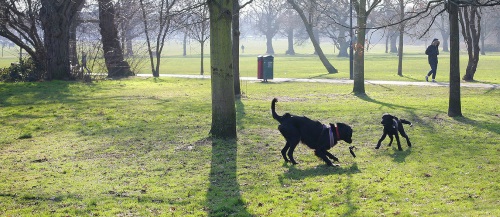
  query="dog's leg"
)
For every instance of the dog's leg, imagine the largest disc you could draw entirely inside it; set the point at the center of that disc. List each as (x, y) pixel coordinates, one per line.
(291, 136)
(322, 154)
(284, 150)
(403, 134)
(331, 156)
(399, 143)
(392, 138)
(293, 145)
(380, 140)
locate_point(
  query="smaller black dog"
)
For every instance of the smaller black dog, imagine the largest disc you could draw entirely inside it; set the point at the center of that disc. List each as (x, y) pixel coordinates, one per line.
(391, 127)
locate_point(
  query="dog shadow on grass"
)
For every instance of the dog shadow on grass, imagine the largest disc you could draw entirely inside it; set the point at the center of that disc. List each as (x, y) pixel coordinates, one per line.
(322, 170)
(400, 156)
(223, 196)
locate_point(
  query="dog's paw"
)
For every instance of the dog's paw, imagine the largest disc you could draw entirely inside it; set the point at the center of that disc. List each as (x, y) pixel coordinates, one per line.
(400, 149)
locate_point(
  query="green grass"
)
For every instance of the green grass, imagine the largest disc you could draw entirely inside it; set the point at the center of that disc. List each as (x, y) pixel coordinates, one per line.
(378, 64)
(140, 147)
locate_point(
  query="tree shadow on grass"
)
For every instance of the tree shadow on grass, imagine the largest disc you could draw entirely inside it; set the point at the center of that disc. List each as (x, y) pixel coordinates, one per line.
(490, 126)
(223, 196)
(240, 114)
(388, 105)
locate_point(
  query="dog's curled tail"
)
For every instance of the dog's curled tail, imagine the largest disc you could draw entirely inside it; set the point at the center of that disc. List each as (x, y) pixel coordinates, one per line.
(406, 122)
(273, 109)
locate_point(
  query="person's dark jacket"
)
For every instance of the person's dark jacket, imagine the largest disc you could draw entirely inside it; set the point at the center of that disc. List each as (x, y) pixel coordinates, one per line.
(432, 53)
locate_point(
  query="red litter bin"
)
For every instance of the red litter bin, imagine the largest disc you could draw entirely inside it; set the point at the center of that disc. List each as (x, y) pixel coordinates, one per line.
(260, 68)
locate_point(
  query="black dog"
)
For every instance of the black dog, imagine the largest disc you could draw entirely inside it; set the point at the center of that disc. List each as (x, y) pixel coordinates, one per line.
(391, 127)
(317, 136)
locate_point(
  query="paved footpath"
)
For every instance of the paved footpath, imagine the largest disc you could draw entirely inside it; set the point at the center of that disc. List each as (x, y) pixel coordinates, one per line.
(340, 81)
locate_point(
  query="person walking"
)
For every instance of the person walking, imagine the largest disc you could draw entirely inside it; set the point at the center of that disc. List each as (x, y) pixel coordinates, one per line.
(432, 52)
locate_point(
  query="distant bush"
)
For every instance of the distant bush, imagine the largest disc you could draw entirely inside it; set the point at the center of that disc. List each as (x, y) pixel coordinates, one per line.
(19, 72)
(491, 48)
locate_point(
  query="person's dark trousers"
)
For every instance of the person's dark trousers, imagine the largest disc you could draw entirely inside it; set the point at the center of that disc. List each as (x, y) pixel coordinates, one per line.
(433, 70)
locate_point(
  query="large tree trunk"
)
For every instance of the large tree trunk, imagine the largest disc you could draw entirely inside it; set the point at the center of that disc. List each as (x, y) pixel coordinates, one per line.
(454, 106)
(445, 35)
(290, 50)
(56, 17)
(329, 67)
(113, 54)
(359, 51)
(236, 48)
(393, 40)
(269, 44)
(343, 44)
(471, 31)
(223, 102)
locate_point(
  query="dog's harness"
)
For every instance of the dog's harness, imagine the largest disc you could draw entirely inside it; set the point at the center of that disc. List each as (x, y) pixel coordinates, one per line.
(331, 140)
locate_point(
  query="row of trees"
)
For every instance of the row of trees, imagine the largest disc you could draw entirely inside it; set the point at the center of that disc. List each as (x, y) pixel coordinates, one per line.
(47, 31)
(410, 13)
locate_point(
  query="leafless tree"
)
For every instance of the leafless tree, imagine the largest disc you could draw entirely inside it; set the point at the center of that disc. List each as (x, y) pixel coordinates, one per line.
(470, 21)
(333, 23)
(20, 23)
(129, 21)
(290, 22)
(298, 6)
(199, 29)
(267, 15)
(158, 19)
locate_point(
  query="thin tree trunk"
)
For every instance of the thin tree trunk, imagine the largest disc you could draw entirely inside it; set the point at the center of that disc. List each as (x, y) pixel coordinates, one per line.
(471, 31)
(400, 52)
(236, 48)
(202, 71)
(359, 51)
(184, 43)
(454, 107)
(401, 35)
(148, 40)
(223, 101)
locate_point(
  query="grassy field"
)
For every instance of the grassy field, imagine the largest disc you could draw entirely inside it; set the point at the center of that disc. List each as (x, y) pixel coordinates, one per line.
(378, 64)
(140, 147)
